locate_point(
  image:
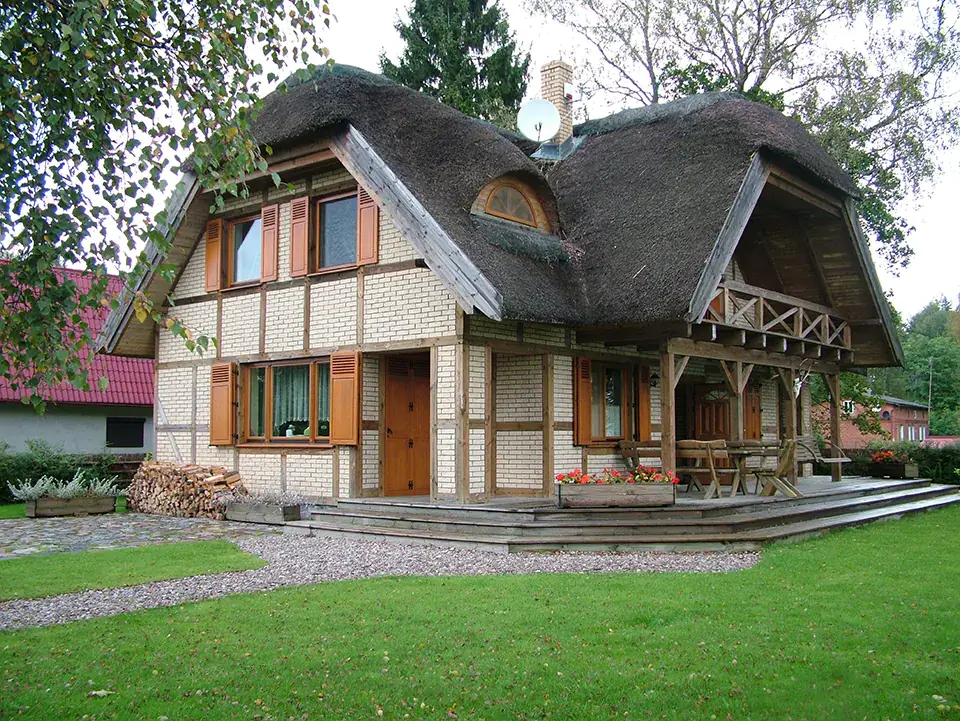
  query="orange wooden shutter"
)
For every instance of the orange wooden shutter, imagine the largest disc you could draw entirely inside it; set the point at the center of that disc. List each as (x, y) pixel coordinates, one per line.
(270, 234)
(299, 236)
(582, 372)
(214, 253)
(368, 229)
(643, 405)
(222, 409)
(345, 399)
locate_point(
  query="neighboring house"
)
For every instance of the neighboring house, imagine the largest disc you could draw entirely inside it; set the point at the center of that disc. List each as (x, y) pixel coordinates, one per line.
(118, 419)
(429, 310)
(901, 420)
(941, 441)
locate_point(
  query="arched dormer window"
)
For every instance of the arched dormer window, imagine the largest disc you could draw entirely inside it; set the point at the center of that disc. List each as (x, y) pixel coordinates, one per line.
(510, 203)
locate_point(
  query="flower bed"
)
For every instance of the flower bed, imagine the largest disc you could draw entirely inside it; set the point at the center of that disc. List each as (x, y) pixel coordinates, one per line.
(81, 496)
(887, 464)
(638, 488)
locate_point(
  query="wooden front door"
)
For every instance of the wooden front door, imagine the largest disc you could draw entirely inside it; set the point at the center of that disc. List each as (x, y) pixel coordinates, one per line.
(406, 460)
(712, 412)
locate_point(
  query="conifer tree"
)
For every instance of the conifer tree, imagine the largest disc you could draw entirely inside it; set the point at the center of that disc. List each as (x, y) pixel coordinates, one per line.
(462, 53)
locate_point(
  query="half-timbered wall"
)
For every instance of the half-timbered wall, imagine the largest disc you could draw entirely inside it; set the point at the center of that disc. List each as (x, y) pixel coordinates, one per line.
(391, 306)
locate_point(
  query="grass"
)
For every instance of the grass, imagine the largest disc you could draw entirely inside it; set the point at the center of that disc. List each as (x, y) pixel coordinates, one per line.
(860, 624)
(36, 576)
(17, 510)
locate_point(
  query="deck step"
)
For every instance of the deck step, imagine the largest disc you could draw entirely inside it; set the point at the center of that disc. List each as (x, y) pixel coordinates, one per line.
(664, 538)
(759, 516)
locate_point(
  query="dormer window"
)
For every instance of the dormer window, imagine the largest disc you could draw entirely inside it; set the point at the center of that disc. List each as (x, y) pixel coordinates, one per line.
(509, 203)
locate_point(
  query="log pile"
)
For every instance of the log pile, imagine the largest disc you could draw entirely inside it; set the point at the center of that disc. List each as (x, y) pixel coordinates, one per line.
(189, 491)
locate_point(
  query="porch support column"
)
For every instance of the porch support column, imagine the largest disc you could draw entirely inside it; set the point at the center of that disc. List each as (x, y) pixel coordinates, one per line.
(832, 381)
(734, 376)
(668, 419)
(547, 407)
(788, 395)
(462, 453)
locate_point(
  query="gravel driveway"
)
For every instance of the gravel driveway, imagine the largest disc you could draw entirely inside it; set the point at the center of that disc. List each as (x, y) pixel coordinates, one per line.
(295, 561)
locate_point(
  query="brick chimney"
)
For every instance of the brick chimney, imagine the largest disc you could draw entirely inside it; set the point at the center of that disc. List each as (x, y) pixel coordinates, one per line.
(556, 85)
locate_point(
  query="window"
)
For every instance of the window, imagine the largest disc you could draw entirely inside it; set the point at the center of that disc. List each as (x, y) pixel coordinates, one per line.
(245, 238)
(125, 432)
(885, 415)
(923, 433)
(914, 415)
(508, 202)
(607, 409)
(913, 433)
(336, 231)
(288, 403)
(902, 433)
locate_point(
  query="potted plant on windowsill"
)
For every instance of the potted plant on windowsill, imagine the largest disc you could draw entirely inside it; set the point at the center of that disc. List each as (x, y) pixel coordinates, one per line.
(641, 487)
(273, 509)
(887, 464)
(81, 496)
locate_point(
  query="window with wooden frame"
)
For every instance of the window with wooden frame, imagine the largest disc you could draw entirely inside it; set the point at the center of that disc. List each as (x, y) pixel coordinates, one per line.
(334, 232)
(242, 251)
(510, 203)
(287, 402)
(601, 407)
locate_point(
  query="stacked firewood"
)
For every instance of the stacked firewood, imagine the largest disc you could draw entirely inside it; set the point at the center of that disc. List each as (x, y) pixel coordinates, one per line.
(191, 491)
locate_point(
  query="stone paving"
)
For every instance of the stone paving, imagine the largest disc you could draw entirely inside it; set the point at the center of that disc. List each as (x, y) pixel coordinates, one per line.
(27, 536)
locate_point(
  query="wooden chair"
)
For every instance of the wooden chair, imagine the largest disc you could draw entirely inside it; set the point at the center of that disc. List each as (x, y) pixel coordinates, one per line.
(704, 455)
(769, 481)
(635, 451)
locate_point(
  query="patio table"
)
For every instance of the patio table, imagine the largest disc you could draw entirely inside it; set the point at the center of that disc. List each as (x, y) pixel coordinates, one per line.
(740, 452)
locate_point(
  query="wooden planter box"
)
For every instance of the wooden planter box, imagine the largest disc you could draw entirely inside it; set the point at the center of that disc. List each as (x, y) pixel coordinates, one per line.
(894, 470)
(262, 513)
(48, 507)
(619, 495)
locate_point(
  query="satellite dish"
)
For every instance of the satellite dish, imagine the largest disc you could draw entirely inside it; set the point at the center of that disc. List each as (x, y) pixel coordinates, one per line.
(538, 119)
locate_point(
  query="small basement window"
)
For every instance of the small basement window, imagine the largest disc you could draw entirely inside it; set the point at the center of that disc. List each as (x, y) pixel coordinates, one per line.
(508, 202)
(125, 432)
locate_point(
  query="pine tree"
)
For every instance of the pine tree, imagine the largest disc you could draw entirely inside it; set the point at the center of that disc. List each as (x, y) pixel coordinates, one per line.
(462, 53)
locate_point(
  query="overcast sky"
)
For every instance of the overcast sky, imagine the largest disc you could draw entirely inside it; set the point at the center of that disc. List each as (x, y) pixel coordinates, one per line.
(363, 29)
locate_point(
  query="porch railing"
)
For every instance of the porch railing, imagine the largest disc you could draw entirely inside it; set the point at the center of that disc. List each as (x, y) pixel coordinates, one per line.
(765, 311)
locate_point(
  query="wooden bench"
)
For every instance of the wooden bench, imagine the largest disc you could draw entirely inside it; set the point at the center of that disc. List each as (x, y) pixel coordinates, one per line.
(704, 455)
(635, 451)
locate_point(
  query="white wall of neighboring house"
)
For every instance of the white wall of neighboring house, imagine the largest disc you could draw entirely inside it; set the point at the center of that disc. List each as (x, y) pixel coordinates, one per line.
(76, 428)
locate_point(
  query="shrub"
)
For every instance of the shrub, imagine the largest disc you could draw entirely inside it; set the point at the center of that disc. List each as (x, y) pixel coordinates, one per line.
(82, 484)
(44, 459)
(937, 463)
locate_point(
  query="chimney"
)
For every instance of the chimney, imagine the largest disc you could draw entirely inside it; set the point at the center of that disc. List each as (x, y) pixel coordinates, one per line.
(556, 85)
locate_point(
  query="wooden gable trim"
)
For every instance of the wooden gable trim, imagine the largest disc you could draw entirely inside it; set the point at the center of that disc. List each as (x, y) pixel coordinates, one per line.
(444, 257)
(733, 227)
(176, 210)
(862, 250)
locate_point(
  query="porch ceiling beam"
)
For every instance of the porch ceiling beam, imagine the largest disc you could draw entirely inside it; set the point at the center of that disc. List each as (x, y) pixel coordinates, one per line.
(732, 337)
(697, 349)
(756, 341)
(704, 331)
(804, 190)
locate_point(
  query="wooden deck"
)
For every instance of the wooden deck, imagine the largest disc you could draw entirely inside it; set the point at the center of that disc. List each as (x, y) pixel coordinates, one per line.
(536, 524)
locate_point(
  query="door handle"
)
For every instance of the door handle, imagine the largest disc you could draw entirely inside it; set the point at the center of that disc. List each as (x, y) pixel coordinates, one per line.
(410, 443)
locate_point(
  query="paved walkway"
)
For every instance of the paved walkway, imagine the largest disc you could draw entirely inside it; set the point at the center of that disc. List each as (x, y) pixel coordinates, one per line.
(27, 536)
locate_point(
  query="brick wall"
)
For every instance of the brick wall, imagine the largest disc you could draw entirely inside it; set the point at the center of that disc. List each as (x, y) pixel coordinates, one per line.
(520, 460)
(240, 334)
(519, 388)
(405, 305)
(333, 313)
(393, 247)
(284, 326)
(310, 474)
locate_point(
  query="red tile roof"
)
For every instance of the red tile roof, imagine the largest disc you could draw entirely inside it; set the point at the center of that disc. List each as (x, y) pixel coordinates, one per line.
(130, 379)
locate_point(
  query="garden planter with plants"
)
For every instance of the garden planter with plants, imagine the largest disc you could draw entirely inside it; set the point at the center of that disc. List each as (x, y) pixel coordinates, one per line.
(269, 508)
(81, 496)
(642, 487)
(887, 464)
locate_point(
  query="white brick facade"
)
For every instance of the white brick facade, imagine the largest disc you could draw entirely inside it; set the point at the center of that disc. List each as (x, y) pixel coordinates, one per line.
(333, 313)
(407, 305)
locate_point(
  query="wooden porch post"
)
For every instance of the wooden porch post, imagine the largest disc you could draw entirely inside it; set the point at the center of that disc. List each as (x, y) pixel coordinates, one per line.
(668, 427)
(787, 393)
(547, 406)
(833, 386)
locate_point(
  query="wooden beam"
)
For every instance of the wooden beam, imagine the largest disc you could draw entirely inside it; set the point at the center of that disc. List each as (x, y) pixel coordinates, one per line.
(668, 429)
(756, 341)
(434, 355)
(788, 379)
(681, 367)
(732, 336)
(736, 408)
(704, 332)
(489, 422)
(815, 262)
(733, 226)
(833, 386)
(789, 300)
(462, 454)
(712, 351)
(547, 404)
(804, 190)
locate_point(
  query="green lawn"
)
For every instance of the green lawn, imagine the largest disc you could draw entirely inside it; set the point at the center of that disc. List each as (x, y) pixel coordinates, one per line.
(16, 510)
(859, 625)
(32, 577)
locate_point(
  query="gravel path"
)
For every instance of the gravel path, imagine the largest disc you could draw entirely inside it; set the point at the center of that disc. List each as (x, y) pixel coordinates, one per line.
(299, 561)
(28, 536)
